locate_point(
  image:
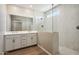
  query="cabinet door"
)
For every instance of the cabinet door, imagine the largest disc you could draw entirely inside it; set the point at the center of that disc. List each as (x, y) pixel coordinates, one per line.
(29, 41)
(23, 40)
(17, 42)
(34, 39)
(8, 43)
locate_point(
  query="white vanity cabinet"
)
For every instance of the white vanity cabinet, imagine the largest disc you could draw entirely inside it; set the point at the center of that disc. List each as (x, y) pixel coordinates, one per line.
(31, 39)
(8, 43)
(12, 42)
(16, 41)
(23, 38)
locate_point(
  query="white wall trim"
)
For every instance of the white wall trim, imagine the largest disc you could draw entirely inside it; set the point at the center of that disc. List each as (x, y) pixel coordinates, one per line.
(44, 49)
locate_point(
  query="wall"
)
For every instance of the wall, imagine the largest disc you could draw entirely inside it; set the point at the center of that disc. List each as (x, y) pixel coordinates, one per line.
(36, 15)
(37, 21)
(2, 24)
(66, 18)
(49, 41)
(15, 10)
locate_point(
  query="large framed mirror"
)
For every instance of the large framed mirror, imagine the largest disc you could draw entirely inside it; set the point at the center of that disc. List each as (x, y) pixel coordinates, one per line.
(21, 23)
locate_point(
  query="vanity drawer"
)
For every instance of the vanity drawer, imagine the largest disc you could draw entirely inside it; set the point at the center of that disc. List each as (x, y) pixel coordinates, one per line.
(23, 41)
(23, 45)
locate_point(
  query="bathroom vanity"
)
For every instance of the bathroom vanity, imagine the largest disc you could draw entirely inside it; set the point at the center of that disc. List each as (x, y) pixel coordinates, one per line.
(19, 39)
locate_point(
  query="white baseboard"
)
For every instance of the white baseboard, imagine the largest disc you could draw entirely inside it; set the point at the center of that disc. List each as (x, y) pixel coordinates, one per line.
(44, 50)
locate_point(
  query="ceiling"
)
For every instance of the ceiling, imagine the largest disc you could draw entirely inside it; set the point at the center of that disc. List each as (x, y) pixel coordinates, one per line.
(38, 7)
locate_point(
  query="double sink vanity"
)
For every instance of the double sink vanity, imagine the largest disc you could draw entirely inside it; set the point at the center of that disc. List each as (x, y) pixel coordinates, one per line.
(19, 39)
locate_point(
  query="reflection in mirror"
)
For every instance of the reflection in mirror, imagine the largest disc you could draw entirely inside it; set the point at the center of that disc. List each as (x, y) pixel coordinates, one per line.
(20, 23)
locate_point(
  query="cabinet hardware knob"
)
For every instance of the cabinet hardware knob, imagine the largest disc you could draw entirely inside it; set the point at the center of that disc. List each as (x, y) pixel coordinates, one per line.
(13, 41)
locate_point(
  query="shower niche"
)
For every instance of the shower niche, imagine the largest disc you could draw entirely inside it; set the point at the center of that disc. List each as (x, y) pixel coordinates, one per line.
(21, 23)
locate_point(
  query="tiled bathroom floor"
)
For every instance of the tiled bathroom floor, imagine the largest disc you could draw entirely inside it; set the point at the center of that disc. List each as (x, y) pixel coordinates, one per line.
(67, 51)
(35, 50)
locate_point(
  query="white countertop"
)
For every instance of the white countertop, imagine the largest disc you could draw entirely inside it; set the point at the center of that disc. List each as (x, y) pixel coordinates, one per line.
(19, 32)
